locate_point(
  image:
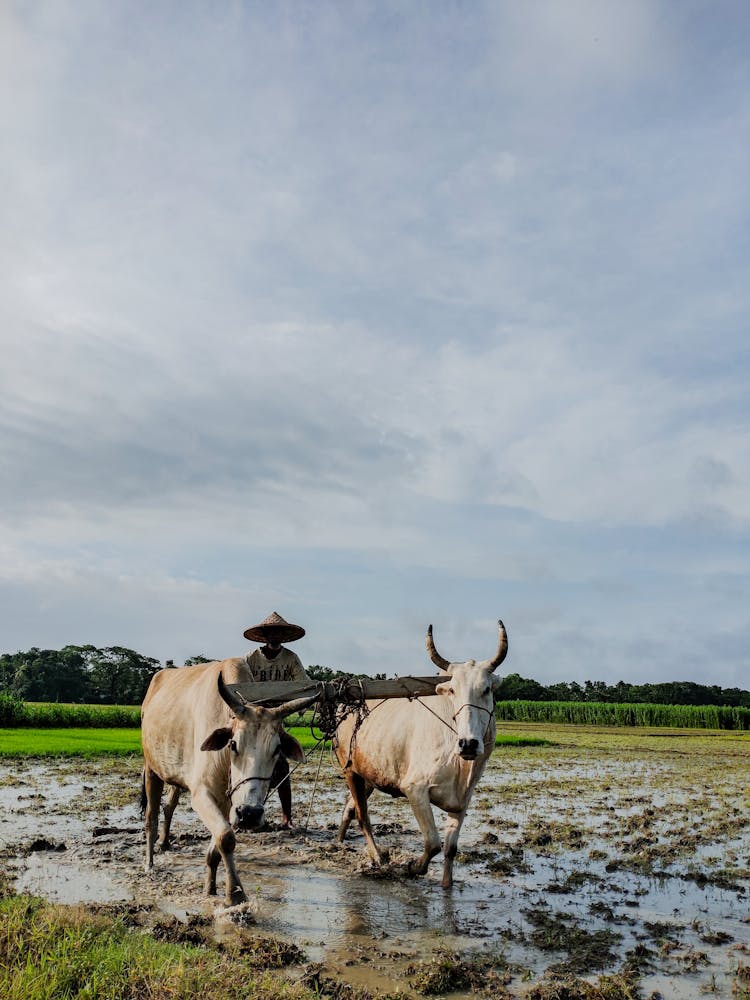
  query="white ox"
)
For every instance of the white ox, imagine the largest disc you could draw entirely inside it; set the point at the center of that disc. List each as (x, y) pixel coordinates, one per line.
(432, 753)
(199, 736)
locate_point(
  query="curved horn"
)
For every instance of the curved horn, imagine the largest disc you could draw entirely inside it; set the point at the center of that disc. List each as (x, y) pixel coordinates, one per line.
(237, 704)
(437, 659)
(502, 649)
(290, 707)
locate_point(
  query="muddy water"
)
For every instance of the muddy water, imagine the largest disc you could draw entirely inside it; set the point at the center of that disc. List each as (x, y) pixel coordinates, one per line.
(594, 856)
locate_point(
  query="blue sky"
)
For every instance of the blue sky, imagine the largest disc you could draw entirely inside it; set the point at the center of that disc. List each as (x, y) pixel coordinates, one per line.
(379, 315)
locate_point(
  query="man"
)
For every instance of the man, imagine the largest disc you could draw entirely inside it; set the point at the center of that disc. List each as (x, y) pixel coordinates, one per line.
(272, 662)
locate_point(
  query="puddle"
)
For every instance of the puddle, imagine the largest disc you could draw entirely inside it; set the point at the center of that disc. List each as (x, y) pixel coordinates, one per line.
(547, 869)
(62, 882)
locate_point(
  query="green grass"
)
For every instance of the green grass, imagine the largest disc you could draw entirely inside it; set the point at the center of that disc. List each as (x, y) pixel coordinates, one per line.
(55, 715)
(308, 742)
(50, 952)
(593, 713)
(14, 712)
(79, 742)
(71, 742)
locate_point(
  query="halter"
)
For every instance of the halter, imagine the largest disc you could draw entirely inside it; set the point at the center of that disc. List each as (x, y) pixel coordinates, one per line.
(467, 704)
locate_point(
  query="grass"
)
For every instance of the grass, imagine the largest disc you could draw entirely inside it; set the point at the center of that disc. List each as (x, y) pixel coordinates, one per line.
(14, 712)
(50, 952)
(593, 713)
(85, 742)
(56, 715)
(69, 742)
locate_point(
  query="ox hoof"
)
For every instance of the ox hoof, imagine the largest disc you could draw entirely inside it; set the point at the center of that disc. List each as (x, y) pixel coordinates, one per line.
(237, 896)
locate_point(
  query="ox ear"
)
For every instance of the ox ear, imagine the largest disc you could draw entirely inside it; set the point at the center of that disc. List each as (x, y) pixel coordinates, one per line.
(291, 748)
(218, 739)
(444, 688)
(497, 683)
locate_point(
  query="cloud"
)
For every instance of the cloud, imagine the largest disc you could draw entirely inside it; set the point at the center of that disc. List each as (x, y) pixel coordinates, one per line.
(381, 315)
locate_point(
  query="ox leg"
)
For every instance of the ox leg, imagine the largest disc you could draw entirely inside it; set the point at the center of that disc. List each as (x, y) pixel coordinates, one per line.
(349, 813)
(170, 804)
(453, 824)
(419, 800)
(280, 778)
(223, 842)
(153, 786)
(359, 794)
(346, 817)
(212, 863)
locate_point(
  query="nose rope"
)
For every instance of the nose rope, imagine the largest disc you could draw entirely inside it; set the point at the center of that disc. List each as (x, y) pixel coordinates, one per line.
(253, 777)
(256, 777)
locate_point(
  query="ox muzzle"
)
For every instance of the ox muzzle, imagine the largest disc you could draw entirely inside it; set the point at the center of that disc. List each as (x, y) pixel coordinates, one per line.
(248, 817)
(468, 749)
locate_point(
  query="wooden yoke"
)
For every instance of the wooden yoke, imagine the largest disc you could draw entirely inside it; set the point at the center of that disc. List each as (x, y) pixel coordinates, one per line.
(277, 692)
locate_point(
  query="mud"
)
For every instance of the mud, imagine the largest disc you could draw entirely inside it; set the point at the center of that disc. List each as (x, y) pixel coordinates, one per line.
(606, 865)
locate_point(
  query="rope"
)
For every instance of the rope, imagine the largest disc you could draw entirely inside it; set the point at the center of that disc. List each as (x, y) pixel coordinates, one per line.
(315, 785)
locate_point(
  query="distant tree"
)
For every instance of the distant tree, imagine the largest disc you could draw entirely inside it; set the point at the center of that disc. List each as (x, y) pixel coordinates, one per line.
(193, 661)
(318, 673)
(513, 687)
(50, 675)
(117, 675)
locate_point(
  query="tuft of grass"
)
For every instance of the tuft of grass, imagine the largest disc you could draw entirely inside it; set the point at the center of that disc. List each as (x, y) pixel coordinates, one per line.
(450, 972)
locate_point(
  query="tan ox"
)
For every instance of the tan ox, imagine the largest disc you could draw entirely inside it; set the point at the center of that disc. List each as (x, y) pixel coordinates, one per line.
(433, 753)
(200, 737)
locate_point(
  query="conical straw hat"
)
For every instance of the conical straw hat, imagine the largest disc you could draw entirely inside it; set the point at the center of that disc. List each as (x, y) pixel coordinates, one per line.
(274, 629)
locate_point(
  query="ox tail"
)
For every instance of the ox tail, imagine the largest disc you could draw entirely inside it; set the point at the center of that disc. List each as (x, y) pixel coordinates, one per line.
(144, 798)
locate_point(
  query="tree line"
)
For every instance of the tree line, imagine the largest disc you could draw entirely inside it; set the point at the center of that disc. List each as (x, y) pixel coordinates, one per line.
(115, 675)
(514, 687)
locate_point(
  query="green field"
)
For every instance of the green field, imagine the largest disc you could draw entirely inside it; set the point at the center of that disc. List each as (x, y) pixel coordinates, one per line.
(70, 742)
(604, 713)
(14, 712)
(81, 742)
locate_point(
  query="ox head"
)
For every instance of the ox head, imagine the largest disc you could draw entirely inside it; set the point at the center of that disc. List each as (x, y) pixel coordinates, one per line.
(470, 689)
(255, 738)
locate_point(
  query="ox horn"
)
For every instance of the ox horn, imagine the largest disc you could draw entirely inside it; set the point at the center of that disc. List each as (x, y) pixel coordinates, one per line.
(502, 649)
(437, 659)
(235, 701)
(290, 707)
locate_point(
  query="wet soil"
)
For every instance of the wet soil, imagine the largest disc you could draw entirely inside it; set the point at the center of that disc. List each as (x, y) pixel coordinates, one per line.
(612, 864)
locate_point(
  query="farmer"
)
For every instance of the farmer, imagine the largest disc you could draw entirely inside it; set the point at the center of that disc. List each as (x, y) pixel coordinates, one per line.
(273, 662)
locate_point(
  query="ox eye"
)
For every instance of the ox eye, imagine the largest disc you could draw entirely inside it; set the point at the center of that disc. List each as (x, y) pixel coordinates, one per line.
(233, 746)
(486, 691)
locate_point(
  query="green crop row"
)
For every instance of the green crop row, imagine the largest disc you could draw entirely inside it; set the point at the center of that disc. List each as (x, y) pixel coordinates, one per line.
(17, 713)
(599, 713)
(51, 715)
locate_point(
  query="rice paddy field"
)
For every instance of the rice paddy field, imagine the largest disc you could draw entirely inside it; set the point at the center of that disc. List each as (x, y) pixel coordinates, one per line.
(606, 863)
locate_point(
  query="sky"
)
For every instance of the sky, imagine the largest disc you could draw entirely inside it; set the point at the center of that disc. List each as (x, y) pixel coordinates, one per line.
(379, 315)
